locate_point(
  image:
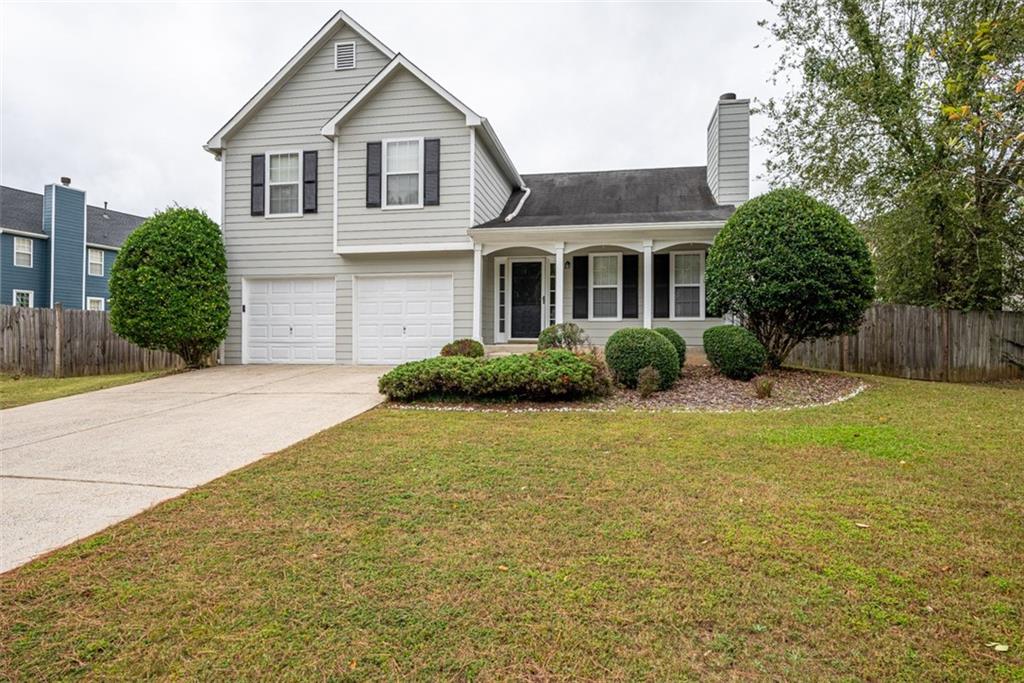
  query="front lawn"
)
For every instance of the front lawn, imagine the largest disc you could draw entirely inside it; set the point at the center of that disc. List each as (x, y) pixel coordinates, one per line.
(25, 390)
(873, 539)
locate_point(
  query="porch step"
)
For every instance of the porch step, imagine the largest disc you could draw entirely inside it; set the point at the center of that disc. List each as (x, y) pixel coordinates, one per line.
(496, 350)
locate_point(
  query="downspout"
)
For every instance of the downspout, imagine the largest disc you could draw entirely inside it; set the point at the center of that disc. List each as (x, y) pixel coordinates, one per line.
(519, 206)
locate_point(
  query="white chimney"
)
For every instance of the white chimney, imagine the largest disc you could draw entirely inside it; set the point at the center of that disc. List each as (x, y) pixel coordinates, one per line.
(729, 150)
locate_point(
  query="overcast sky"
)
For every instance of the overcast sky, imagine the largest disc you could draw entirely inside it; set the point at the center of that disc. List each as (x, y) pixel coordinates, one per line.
(121, 97)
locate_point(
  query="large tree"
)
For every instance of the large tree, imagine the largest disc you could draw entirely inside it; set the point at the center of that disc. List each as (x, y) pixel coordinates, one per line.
(909, 116)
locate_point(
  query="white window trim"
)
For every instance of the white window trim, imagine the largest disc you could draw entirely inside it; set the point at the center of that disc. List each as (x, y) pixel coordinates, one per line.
(355, 55)
(266, 184)
(590, 286)
(384, 175)
(672, 284)
(90, 252)
(31, 248)
(90, 299)
(31, 297)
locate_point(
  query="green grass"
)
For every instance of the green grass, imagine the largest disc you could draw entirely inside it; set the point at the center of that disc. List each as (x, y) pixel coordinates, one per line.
(565, 546)
(25, 390)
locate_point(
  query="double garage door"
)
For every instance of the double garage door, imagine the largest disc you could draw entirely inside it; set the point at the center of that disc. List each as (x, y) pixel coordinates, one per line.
(395, 319)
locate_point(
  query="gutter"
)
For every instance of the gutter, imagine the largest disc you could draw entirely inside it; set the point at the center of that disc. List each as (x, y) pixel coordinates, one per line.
(519, 206)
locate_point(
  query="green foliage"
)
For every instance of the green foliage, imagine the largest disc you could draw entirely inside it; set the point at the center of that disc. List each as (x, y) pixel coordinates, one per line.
(763, 387)
(648, 381)
(734, 351)
(631, 349)
(910, 118)
(569, 336)
(677, 341)
(168, 285)
(789, 268)
(470, 348)
(554, 374)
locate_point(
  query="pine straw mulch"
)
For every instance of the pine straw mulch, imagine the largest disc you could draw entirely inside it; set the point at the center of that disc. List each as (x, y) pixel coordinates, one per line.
(699, 388)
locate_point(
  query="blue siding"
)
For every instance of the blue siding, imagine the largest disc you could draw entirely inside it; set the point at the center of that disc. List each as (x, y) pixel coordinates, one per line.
(35, 279)
(69, 246)
(97, 285)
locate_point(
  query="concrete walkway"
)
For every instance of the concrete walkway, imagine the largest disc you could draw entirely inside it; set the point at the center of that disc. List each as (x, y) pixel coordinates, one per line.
(73, 466)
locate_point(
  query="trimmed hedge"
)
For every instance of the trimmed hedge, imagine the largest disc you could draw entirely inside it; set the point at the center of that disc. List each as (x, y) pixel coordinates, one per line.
(734, 351)
(677, 341)
(539, 376)
(631, 349)
(470, 348)
(569, 336)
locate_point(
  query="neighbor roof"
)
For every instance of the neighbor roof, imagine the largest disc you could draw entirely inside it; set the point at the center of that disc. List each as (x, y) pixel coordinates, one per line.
(23, 210)
(649, 195)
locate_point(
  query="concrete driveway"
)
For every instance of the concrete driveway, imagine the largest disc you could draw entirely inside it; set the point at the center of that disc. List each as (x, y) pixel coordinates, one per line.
(73, 466)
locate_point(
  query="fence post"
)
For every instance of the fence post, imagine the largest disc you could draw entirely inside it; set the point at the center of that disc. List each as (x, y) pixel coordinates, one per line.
(58, 341)
(945, 345)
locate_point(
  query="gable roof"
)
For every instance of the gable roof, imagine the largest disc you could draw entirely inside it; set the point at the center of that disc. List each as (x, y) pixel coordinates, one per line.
(216, 143)
(23, 211)
(650, 195)
(473, 119)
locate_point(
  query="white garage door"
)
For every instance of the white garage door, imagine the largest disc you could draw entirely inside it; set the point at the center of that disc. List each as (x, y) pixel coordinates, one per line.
(290, 321)
(402, 318)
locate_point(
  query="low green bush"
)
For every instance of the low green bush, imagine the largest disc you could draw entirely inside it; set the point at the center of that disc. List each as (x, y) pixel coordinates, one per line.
(470, 348)
(630, 349)
(677, 341)
(554, 374)
(569, 336)
(734, 351)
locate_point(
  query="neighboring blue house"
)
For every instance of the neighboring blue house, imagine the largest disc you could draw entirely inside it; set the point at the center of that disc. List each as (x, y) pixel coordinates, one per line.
(54, 248)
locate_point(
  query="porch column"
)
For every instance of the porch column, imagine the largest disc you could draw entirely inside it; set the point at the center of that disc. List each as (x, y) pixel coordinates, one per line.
(648, 284)
(478, 291)
(559, 283)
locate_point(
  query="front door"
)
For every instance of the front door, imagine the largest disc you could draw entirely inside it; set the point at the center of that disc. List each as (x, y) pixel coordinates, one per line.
(526, 299)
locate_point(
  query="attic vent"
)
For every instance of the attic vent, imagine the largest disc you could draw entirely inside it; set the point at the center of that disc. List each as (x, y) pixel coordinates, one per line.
(344, 56)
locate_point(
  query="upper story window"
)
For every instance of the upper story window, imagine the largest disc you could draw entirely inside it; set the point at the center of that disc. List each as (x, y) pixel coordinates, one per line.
(605, 286)
(344, 56)
(403, 173)
(96, 262)
(687, 290)
(23, 252)
(283, 180)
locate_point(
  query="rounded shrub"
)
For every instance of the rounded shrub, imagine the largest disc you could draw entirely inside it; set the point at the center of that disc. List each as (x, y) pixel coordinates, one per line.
(631, 349)
(169, 285)
(734, 351)
(789, 268)
(677, 341)
(470, 348)
(569, 336)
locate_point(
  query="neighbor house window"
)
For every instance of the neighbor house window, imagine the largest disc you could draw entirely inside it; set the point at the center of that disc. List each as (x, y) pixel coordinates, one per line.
(23, 252)
(403, 177)
(94, 303)
(283, 184)
(96, 262)
(24, 297)
(605, 286)
(688, 284)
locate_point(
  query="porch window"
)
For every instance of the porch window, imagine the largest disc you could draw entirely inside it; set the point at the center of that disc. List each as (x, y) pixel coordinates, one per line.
(283, 184)
(402, 173)
(605, 286)
(501, 297)
(551, 292)
(688, 285)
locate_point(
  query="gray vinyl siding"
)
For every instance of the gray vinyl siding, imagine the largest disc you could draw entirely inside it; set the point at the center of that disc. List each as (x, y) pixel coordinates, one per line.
(729, 152)
(267, 247)
(35, 279)
(68, 244)
(459, 264)
(492, 187)
(403, 107)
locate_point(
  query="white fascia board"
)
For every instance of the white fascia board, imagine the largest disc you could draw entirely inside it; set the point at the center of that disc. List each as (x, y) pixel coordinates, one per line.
(93, 245)
(403, 248)
(550, 232)
(23, 233)
(400, 60)
(216, 143)
(491, 138)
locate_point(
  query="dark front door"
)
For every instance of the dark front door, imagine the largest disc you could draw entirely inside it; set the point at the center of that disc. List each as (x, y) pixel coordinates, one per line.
(526, 302)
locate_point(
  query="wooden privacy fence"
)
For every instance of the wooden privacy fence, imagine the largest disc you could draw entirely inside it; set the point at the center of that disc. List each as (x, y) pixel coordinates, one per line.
(51, 342)
(918, 342)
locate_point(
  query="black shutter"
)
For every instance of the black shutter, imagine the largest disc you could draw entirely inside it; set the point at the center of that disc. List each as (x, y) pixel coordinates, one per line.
(372, 175)
(630, 278)
(256, 180)
(580, 285)
(661, 268)
(431, 172)
(309, 182)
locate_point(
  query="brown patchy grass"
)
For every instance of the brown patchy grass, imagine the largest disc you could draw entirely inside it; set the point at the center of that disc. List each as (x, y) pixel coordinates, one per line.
(19, 391)
(624, 545)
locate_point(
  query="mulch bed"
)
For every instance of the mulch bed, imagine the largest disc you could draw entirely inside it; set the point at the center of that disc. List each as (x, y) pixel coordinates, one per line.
(699, 388)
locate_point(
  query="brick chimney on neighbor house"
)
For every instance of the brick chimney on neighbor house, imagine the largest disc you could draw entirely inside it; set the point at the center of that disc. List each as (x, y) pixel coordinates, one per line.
(729, 150)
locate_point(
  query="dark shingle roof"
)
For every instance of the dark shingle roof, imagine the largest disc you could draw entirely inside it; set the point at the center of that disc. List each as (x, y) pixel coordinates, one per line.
(650, 195)
(22, 210)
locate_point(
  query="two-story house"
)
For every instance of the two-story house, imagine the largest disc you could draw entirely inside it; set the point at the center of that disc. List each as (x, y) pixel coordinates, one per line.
(56, 248)
(370, 216)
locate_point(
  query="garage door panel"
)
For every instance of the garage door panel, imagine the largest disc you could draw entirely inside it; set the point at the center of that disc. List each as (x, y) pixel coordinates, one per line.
(291, 321)
(402, 318)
